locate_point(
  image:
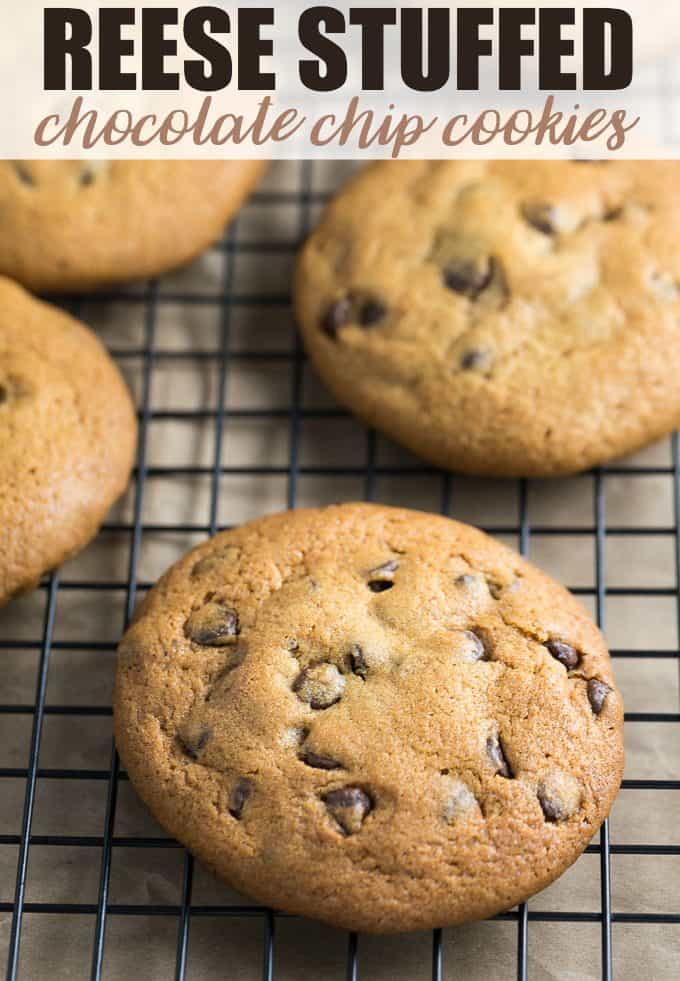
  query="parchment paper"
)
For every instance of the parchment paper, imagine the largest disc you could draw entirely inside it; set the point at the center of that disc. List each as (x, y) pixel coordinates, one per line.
(81, 667)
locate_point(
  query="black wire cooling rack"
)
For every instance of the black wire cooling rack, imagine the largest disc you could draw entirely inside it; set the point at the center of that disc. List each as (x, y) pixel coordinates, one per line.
(226, 359)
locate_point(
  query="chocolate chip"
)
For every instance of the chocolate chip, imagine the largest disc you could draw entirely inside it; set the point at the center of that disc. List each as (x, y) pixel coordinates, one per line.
(382, 577)
(192, 742)
(337, 315)
(597, 693)
(372, 312)
(559, 795)
(349, 806)
(319, 761)
(239, 797)
(89, 172)
(494, 749)
(476, 647)
(215, 561)
(542, 217)
(294, 737)
(475, 360)
(551, 807)
(87, 177)
(459, 801)
(387, 568)
(470, 277)
(24, 175)
(321, 685)
(221, 682)
(357, 661)
(564, 653)
(213, 625)
(15, 387)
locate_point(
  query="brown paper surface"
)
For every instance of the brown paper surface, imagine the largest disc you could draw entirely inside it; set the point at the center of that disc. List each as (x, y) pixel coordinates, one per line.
(89, 621)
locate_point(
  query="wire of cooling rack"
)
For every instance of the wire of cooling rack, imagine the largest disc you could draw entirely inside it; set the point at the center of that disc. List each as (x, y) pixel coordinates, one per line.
(225, 360)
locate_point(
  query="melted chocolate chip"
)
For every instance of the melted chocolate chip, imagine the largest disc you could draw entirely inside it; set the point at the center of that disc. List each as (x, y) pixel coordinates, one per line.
(559, 795)
(597, 693)
(320, 685)
(386, 569)
(213, 625)
(494, 749)
(193, 742)
(89, 172)
(348, 806)
(470, 277)
(460, 802)
(372, 312)
(239, 797)
(475, 360)
(357, 661)
(476, 647)
(382, 577)
(564, 653)
(337, 315)
(24, 175)
(551, 808)
(542, 217)
(319, 761)
(15, 387)
(294, 737)
(215, 561)
(221, 682)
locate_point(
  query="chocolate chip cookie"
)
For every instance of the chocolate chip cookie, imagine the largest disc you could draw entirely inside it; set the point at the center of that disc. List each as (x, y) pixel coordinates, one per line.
(80, 225)
(67, 437)
(503, 318)
(376, 717)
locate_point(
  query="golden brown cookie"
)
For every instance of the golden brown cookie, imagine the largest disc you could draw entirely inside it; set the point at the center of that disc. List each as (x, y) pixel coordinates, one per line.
(507, 318)
(67, 437)
(376, 717)
(81, 225)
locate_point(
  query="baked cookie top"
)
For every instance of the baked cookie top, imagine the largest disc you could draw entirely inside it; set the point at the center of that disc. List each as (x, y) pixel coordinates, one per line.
(508, 318)
(376, 717)
(67, 437)
(103, 222)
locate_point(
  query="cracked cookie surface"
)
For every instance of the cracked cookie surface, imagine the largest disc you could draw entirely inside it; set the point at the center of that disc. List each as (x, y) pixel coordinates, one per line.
(104, 222)
(67, 437)
(506, 318)
(383, 760)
